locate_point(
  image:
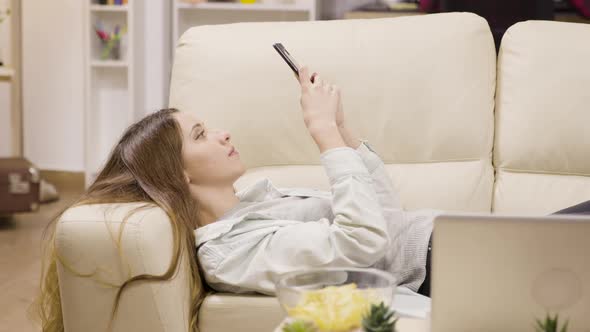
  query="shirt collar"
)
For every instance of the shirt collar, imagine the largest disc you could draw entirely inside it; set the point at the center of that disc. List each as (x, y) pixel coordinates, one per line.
(260, 191)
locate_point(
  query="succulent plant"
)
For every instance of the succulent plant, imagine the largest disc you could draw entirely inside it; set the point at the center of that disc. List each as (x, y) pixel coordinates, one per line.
(550, 324)
(379, 319)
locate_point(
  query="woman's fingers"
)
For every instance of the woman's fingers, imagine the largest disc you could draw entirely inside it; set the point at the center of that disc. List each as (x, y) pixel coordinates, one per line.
(308, 80)
(304, 78)
(313, 77)
(318, 81)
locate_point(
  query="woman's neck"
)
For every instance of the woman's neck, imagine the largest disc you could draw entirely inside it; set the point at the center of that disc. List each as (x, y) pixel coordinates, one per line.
(213, 202)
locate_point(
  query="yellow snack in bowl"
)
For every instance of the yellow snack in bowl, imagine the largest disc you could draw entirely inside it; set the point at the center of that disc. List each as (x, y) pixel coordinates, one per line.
(334, 308)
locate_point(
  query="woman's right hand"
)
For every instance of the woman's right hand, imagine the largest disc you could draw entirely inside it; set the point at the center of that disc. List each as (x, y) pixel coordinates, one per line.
(320, 102)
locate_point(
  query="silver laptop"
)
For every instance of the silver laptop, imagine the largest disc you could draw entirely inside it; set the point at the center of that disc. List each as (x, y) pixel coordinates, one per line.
(492, 273)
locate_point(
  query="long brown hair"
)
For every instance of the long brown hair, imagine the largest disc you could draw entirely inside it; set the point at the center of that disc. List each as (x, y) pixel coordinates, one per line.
(145, 166)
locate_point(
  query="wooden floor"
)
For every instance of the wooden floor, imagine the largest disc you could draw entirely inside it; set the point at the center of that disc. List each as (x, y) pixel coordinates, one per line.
(20, 239)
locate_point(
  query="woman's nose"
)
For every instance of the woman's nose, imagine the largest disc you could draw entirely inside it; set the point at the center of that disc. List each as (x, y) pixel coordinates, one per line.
(224, 136)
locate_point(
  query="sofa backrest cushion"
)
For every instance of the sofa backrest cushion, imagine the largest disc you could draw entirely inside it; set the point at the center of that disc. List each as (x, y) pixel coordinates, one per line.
(542, 144)
(419, 89)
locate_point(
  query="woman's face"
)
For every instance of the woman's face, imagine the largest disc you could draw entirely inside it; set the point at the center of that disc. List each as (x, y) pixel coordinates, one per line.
(206, 153)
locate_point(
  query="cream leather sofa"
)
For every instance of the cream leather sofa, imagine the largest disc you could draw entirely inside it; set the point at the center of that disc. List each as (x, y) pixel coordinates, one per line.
(458, 129)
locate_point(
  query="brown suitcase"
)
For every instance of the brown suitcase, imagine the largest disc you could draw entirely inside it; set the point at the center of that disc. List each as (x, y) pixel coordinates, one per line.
(19, 186)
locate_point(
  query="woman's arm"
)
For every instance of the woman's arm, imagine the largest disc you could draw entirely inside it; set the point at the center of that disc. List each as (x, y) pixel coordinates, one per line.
(350, 139)
(319, 104)
(325, 101)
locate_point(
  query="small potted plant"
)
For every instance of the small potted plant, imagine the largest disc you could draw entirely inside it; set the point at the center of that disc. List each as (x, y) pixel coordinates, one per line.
(550, 324)
(379, 319)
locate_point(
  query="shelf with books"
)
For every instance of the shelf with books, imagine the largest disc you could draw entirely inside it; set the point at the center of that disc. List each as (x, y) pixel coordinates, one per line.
(109, 2)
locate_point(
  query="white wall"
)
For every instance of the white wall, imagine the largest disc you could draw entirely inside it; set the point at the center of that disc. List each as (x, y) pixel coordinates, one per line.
(157, 53)
(5, 87)
(53, 83)
(53, 77)
(5, 120)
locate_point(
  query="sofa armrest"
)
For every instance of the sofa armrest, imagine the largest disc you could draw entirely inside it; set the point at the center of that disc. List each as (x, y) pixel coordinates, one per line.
(87, 241)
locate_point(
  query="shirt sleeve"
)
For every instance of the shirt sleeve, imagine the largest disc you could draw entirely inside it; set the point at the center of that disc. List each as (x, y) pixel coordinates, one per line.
(387, 195)
(357, 237)
(406, 257)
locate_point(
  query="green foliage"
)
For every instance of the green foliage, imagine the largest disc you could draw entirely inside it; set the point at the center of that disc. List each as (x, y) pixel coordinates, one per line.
(550, 324)
(379, 319)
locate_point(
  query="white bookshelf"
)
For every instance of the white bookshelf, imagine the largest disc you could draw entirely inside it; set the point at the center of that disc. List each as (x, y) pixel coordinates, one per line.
(109, 8)
(186, 15)
(109, 63)
(114, 87)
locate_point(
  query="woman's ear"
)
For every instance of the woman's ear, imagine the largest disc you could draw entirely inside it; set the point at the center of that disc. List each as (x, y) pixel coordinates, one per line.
(187, 179)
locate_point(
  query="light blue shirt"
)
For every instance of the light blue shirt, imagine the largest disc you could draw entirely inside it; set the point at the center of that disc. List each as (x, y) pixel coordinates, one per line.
(359, 223)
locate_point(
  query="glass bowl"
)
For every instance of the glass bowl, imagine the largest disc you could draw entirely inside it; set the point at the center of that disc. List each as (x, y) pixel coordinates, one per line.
(334, 299)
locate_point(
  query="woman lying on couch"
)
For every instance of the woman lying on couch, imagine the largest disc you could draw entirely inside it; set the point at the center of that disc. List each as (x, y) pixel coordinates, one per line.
(245, 240)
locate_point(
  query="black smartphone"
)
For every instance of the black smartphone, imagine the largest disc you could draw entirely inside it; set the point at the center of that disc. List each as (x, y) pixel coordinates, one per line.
(287, 57)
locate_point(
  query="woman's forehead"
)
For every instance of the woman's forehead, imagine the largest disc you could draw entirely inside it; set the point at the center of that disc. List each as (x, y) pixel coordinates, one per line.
(187, 120)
